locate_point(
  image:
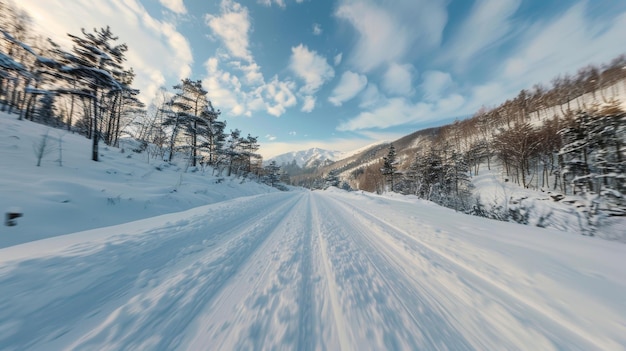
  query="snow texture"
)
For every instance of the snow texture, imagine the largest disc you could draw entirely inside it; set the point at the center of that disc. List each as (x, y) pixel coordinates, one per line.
(259, 269)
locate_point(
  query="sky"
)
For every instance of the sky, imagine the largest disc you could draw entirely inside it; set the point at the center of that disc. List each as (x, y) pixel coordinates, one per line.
(342, 74)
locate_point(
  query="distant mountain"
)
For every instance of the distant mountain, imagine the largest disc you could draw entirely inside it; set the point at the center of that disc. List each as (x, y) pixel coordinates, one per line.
(311, 158)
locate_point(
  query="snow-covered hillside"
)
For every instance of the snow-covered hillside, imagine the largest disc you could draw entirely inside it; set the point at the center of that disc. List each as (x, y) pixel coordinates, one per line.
(307, 158)
(78, 194)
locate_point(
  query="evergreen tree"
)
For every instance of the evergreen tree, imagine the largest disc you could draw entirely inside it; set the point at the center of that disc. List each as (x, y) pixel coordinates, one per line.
(431, 168)
(457, 181)
(272, 173)
(45, 112)
(96, 67)
(249, 147)
(332, 179)
(390, 164)
(575, 153)
(232, 151)
(214, 133)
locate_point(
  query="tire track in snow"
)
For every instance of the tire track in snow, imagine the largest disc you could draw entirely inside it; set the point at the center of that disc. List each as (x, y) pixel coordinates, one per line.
(340, 324)
(574, 336)
(306, 341)
(269, 304)
(383, 295)
(157, 318)
(88, 281)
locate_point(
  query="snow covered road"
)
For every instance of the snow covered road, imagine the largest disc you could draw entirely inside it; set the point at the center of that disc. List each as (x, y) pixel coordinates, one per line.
(314, 271)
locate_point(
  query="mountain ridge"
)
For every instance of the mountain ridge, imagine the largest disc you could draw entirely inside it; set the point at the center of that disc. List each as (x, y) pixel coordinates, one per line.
(309, 158)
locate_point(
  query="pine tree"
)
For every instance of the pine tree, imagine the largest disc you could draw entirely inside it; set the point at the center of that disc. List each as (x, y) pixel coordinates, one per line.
(214, 133)
(272, 173)
(190, 112)
(232, 151)
(45, 112)
(389, 169)
(431, 167)
(575, 153)
(457, 181)
(332, 179)
(96, 67)
(249, 147)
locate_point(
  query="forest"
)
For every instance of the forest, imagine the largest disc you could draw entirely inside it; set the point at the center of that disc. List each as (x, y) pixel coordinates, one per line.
(563, 140)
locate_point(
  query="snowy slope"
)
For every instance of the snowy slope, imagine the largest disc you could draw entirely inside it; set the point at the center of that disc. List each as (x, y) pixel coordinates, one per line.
(79, 194)
(306, 158)
(314, 271)
(564, 215)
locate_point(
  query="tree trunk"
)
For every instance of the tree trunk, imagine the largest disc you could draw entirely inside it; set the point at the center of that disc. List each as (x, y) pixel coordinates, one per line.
(71, 115)
(173, 140)
(116, 132)
(95, 136)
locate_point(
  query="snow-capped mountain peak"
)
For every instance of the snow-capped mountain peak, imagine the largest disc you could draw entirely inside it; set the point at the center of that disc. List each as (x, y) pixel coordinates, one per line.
(308, 158)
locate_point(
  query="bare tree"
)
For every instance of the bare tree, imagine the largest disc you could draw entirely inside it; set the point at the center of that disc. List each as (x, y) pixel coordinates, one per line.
(42, 148)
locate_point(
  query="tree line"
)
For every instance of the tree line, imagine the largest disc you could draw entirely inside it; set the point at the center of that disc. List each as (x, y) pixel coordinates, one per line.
(567, 139)
(89, 90)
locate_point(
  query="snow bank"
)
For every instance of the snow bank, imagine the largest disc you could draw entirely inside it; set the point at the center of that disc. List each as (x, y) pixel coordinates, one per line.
(78, 194)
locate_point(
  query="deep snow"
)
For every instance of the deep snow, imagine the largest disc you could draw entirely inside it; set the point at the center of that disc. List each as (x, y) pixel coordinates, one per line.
(247, 267)
(82, 194)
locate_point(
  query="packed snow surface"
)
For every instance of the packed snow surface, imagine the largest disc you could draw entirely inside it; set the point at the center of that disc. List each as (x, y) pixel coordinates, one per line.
(323, 270)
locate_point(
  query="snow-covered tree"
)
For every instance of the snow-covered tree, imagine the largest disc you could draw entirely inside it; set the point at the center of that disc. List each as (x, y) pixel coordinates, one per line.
(232, 151)
(332, 179)
(272, 173)
(249, 148)
(214, 133)
(516, 147)
(390, 166)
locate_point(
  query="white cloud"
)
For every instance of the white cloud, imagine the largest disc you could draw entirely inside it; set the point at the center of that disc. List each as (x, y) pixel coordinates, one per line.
(399, 111)
(398, 79)
(486, 93)
(451, 106)
(370, 96)
(293, 133)
(377, 44)
(348, 87)
(408, 25)
(317, 29)
(337, 59)
(278, 96)
(228, 93)
(232, 27)
(310, 67)
(176, 6)
(488, 22)
(157, 52)
(225, 90)
(251, 72)
(565, 44)
(435, 83)
(280, 3)
(270, 137)
(243, 90)
(395, 111)
(309, 104)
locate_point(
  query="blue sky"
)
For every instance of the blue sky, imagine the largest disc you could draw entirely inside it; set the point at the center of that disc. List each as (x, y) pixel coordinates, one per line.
(341, 74)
